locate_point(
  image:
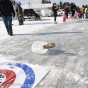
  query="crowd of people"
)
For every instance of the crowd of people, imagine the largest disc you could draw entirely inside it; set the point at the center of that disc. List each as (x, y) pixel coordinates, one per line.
(70, 9)
(10, 9)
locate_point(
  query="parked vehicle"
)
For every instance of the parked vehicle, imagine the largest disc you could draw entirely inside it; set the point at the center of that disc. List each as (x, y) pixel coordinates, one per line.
(31, 14)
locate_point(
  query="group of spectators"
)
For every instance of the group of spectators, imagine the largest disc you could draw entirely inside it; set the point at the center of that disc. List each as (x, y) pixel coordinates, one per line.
(75, 11)
(9, 8)
(70, 9)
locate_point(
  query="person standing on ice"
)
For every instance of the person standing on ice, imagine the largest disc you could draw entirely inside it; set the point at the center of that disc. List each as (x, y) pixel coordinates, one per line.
(73, 9)
(55, 9)
(19, 11)
(7, 11)
(66, 11)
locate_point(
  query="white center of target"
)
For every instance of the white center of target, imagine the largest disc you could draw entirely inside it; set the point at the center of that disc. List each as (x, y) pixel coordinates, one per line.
(2, 78)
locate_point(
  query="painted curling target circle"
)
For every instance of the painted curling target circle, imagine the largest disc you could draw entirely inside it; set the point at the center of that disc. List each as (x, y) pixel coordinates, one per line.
(30, 75)
(7, 78)
(2, 78)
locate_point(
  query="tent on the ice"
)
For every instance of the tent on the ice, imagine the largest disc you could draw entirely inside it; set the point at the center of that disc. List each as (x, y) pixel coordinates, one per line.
(77, 2)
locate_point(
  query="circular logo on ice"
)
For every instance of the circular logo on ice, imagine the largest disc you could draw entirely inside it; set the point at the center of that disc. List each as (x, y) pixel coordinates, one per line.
(30, 75)
(29, 72)
(2, 78)
(7, 78)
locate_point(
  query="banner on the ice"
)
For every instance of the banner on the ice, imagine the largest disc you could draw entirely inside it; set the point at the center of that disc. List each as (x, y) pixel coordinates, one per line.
(19, 75)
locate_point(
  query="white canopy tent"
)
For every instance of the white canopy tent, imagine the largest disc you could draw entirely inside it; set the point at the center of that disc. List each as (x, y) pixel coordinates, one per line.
(77, 2)
(38, 3)
(26, 4)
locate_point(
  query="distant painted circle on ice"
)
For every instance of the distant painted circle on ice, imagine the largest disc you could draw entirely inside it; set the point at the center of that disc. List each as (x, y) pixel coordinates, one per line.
(37, 47)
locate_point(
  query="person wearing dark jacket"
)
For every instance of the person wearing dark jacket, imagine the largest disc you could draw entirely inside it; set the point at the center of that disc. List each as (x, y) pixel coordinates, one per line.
(66, 11)
(73, 9)
(54, 9)
(19, 12)
(7, 11)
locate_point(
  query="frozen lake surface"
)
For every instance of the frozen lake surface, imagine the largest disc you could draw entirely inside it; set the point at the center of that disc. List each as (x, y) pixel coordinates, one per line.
(68, 61)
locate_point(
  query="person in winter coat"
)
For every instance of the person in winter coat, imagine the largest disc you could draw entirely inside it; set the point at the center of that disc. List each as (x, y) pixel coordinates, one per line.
(19, 11)
(54, 9)
(7, 11)
(86, 12)
(73, 9)
(66, 12)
